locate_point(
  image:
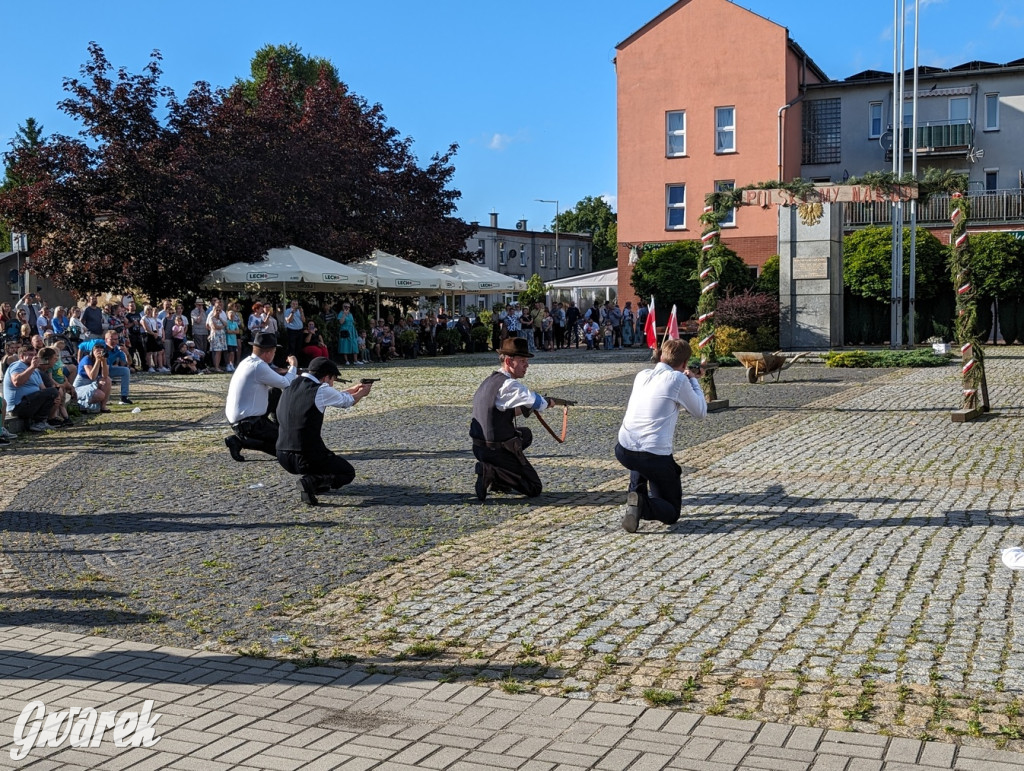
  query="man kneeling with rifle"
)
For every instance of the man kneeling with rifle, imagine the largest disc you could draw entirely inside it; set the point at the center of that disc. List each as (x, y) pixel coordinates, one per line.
(498, 443)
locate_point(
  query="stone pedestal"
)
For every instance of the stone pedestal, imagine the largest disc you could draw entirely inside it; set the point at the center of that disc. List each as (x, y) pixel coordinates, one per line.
(811, 280)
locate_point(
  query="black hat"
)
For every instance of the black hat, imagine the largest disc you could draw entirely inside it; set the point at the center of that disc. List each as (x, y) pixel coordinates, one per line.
(322, 367)
(264, 340)
(515, 346)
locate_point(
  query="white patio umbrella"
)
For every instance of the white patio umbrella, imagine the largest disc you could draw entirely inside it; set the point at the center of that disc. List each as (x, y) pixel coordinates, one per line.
(290, 267)
(477, 279)
(398, 276)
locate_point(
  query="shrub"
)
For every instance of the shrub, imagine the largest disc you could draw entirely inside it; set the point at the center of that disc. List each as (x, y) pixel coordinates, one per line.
(481, 338)
(871, 359)
(748, 311)
(768, 281)
(766, 338)
(729, 339)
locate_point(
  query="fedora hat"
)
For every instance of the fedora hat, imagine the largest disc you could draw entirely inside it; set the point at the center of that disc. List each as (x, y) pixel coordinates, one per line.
(264, 340)
(322, 367)
(515, 346)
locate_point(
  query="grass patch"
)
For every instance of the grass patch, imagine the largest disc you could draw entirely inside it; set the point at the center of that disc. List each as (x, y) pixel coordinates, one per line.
(658, 697)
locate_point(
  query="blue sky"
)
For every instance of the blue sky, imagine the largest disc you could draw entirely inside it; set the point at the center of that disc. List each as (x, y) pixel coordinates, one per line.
(526, 89)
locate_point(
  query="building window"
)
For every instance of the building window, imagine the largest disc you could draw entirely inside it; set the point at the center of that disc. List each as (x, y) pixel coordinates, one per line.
(725, 129)
(502, 259)
(822, 135)
(543, 256)
(583, 250)
(991, 180)
(959, 107)
(675, 196)
(522, 255)
(874, 120)
(572, 258)
(724, 186)
(991, 112)
(675, 140)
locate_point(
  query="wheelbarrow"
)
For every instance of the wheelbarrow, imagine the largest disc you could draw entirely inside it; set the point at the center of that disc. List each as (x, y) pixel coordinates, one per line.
(762, 363)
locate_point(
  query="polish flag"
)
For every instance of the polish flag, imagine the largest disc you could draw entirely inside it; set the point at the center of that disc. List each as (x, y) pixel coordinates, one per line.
(651, 327)
(672, 329)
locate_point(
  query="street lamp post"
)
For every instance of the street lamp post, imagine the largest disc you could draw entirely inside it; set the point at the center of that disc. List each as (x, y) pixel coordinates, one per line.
(557, 256)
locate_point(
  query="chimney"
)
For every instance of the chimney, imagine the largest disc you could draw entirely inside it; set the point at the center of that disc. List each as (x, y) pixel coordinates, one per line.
(494, 220)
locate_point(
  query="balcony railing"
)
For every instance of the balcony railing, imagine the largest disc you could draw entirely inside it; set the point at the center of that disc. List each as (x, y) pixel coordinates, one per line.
(994, 207)
(941, 136)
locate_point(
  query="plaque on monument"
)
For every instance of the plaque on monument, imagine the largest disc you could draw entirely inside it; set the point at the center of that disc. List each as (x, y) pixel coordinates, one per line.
(810, 267)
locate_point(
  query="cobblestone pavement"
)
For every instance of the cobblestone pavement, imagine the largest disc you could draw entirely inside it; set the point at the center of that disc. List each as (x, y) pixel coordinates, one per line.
(837, 564)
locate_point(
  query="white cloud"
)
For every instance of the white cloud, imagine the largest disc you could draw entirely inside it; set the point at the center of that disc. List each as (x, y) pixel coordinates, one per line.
(611, 200)
(499, 141)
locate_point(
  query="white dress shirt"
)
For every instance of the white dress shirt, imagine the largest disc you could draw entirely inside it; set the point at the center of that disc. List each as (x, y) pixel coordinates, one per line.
(514, 394)
(653, 409)
(328, 396)
(248, 392)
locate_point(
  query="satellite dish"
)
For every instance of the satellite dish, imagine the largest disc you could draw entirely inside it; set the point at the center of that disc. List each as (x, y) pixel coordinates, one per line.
(886, 141)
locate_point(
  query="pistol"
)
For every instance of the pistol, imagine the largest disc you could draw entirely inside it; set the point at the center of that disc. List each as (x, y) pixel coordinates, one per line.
(368, 380)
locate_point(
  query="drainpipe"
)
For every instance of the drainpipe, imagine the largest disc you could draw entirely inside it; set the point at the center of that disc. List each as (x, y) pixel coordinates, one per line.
(782, 110)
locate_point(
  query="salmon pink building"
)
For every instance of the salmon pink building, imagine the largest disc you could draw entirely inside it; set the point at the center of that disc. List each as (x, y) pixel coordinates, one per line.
(709, 96)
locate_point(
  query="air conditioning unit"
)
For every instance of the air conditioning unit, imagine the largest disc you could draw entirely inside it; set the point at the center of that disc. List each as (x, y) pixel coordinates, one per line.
(521, 225)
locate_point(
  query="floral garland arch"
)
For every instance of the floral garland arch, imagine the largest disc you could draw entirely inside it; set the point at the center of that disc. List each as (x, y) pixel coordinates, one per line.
(718, 204)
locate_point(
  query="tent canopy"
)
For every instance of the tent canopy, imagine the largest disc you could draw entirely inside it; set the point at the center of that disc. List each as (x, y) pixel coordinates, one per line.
(598, 280)
(291, 267)
(478, 279)
(398, 276)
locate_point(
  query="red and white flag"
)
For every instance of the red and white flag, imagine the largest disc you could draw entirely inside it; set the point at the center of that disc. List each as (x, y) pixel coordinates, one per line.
(651, 327)
(672, 326)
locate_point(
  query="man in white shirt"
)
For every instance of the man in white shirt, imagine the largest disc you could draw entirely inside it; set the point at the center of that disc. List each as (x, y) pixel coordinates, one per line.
(253, 393)
(498, 443)
(300, 448)
(645, 437)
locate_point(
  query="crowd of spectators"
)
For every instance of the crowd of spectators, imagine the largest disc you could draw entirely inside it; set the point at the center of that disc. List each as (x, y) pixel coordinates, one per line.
(56, 356)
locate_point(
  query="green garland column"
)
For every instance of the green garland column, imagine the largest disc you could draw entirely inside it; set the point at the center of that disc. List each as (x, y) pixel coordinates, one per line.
(709, 271)
(971, 351)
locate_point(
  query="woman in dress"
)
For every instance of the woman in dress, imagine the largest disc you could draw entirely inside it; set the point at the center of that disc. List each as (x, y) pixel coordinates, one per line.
(348, 345)
(217, 325)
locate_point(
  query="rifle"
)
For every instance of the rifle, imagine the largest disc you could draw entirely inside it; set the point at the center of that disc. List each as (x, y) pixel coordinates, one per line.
(565, 404)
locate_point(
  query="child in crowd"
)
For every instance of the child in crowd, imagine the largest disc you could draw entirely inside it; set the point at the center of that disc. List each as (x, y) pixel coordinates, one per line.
(609, 335)
(590, 332)
(56, 376)
(364, 354)
(184, 362)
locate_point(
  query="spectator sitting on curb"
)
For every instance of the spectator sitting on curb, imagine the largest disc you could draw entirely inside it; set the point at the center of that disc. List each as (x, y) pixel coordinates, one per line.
(55, 376)
(92, 384)
(24, 393)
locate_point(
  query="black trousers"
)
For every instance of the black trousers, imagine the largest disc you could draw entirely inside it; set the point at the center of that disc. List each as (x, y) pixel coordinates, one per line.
(656, 480)
(510, 467)
(260, 433)
(326, 470)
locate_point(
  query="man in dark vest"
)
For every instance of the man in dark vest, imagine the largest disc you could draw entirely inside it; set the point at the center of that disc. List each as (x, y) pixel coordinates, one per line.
(498, 444)
(300, 448)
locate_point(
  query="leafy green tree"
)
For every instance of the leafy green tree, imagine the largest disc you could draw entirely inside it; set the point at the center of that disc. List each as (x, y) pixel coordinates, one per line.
(288, 61)
(867, 269)
(28, 137)
(593, 215)
(535, 291)
(669, 274)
